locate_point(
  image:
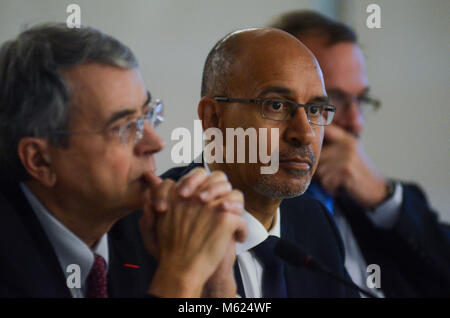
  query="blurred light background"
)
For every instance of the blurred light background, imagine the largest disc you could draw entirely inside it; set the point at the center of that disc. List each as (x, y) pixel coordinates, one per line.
(407, 61)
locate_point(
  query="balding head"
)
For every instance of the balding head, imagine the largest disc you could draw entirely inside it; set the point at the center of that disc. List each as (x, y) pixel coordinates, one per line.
(250, 48)
(258, 75)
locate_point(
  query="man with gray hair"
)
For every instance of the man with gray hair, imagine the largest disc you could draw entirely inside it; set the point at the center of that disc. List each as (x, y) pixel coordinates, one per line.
(77, 141)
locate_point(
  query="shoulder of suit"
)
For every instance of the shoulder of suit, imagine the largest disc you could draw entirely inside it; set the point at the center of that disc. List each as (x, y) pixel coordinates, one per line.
(177, 172)
(305, 207)
(304, 202)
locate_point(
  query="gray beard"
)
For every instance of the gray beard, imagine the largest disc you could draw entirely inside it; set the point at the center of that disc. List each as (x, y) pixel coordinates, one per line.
(266, 187)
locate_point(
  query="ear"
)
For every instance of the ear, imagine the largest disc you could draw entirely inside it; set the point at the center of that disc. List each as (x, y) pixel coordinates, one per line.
(35, 156)
(209, 112)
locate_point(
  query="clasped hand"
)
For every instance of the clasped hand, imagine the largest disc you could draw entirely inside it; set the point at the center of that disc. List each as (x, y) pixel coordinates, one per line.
(191, 227)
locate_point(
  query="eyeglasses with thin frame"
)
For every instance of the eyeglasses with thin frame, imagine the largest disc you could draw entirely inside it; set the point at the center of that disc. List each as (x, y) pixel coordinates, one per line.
(343, 102)
(132, 131)
(282, 109)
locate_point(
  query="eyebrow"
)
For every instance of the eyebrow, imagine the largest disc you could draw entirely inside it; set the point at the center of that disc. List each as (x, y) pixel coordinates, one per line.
(322, 99)
(126, 112)
(364, 91)
(288, 92)
(339, 91)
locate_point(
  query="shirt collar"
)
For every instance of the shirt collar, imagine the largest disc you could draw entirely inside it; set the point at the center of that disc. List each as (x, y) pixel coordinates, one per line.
(68, 247)
(257, 233)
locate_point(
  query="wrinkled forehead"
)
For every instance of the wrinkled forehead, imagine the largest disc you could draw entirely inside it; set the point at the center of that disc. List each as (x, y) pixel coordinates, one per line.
(98, 91)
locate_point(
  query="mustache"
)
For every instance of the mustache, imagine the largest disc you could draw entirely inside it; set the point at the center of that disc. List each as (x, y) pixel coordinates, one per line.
(303, 151)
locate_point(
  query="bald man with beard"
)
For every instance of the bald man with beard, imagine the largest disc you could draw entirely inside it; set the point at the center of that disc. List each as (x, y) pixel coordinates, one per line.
(266, 78)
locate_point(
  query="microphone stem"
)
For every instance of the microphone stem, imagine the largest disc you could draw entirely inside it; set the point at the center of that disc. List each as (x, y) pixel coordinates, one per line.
(348, 283)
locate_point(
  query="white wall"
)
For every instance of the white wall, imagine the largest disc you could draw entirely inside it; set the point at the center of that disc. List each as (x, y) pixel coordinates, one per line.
(171, 39)
(409, 70)
(407, 63)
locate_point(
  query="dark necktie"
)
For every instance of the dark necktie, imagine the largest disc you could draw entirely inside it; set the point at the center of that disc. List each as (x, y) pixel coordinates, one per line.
(97, 280)
(273, 281)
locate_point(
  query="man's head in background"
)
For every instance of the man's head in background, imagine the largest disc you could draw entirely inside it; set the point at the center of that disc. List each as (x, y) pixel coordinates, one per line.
(335, 46)
(74, 119)
(266, 64)
(344, 166)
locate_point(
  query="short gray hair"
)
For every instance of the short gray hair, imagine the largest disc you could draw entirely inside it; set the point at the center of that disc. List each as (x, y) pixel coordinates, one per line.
(34, 94)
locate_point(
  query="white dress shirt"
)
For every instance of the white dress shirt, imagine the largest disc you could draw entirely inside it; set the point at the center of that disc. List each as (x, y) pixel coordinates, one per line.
(251, 268)
(68, 247)
(383, 217)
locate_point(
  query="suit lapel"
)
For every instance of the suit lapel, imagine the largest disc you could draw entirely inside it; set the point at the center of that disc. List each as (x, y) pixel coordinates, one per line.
(127, 272)
(290, 272)
(300, 282)
(361, 227)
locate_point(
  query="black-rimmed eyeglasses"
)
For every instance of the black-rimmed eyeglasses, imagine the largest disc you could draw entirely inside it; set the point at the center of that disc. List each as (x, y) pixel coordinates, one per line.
(283, 109)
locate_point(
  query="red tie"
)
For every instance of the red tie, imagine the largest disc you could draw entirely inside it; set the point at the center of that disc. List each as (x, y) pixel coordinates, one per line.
(96, 281)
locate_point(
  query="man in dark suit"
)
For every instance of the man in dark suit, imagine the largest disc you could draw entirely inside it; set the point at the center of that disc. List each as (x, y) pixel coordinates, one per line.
(382, 221)
(265, 78)
(77, 139)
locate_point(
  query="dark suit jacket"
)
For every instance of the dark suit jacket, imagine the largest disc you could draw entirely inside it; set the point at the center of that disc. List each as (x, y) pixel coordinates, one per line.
(29, 266)
(310, 225)
(414, 257)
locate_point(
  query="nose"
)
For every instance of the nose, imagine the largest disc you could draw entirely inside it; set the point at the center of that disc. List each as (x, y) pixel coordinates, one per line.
(150, 143)
(352, 119)
(299, 132)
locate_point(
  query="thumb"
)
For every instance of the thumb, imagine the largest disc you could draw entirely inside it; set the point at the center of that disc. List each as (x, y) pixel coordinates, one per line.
(152, 179)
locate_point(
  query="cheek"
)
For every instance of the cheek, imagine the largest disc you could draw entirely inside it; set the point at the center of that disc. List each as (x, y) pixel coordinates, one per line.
(269, 138)
(339, 121)
(108, 167)
(118, 164)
